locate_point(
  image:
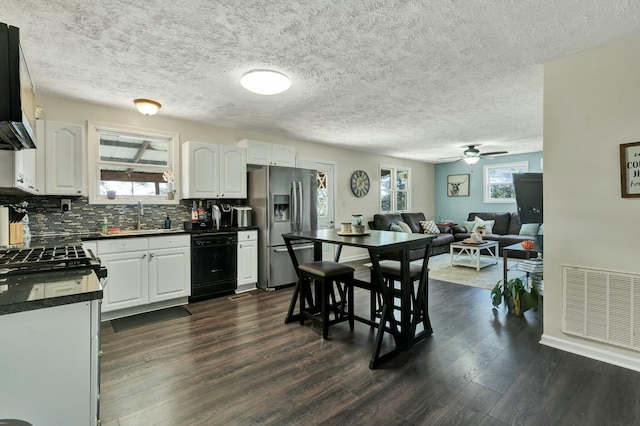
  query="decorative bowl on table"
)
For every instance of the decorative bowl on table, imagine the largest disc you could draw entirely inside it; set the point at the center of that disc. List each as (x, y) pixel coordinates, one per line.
(527, 244)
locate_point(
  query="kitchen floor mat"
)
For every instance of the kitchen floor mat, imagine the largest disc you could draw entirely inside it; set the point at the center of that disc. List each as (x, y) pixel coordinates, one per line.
(148, 318)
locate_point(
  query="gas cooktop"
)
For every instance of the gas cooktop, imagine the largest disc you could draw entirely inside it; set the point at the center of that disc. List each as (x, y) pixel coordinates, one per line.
(38, 259)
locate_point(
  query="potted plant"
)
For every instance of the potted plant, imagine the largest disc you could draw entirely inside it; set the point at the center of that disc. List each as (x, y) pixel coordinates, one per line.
(478, 231)
(516, 296)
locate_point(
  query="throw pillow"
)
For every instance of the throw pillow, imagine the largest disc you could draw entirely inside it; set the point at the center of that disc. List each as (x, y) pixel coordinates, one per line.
(468, 225)
(405, 227)
(429, 227)
(487, 223)
(396, 228)
(530, 229)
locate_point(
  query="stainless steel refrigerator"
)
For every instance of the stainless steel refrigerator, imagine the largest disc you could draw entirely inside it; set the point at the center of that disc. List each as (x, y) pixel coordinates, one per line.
(283, 200)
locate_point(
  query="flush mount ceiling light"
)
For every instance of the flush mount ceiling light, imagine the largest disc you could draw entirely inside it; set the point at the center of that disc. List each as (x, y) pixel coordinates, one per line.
(471, 160)
(147, 106)
(265, 82)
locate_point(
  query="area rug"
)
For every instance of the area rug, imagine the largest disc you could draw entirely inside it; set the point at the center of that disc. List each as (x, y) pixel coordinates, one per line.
(440, 269)
(147, 318)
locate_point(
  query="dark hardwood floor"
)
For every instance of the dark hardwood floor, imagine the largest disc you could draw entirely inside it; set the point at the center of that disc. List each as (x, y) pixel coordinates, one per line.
(235, 362)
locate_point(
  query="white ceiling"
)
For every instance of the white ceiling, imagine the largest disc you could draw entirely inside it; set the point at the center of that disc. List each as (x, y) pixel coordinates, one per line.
(417, 79)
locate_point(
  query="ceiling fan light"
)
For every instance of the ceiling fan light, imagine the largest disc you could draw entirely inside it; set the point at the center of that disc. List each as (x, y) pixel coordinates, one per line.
(147, 106)
(471, 160)
(264, 82)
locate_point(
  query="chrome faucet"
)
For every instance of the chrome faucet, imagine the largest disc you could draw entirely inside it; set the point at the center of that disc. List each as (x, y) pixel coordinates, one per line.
(140, 213)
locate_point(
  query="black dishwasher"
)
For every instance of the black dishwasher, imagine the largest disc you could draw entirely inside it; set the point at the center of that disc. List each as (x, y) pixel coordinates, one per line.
(213, 264)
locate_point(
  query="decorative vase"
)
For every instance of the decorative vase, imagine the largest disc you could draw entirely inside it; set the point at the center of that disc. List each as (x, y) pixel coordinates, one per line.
(476, 236)
(356, 219)
(170, 192)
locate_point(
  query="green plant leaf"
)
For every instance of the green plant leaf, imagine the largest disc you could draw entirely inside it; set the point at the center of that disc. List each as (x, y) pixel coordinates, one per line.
(496, 294)
(526, 301)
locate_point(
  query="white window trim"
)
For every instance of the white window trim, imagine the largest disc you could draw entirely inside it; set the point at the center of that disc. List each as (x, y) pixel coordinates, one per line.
(93, 162)
(394, 170)
(487, 192)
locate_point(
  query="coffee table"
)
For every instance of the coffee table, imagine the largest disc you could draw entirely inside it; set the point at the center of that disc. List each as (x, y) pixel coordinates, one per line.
(465, 254)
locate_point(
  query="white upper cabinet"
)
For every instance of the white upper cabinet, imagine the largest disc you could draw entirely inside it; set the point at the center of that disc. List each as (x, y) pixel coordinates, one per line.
(18, 170)
(64, 146)
(213, 171)
(233, 172)
(269, 154)
(199, 171)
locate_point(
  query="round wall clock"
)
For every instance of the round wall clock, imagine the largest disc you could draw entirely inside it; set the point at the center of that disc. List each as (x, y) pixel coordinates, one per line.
(360, 183)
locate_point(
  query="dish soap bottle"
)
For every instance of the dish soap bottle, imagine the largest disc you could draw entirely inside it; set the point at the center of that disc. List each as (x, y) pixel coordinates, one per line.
(105, 225)
(167, 223)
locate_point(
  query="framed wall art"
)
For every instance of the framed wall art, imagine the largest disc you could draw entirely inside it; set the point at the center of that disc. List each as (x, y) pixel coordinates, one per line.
(630, 169)
(458, 185)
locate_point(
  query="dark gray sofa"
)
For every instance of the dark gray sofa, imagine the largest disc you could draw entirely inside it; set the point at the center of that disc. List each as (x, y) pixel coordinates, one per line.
(439, 245)
(506, 230)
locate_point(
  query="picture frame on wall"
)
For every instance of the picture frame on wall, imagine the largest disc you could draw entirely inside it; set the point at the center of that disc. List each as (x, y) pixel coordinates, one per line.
(458, 185)
(630, 169)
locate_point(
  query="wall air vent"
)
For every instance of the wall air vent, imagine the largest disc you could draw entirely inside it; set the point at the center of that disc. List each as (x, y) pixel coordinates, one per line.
(602, 305)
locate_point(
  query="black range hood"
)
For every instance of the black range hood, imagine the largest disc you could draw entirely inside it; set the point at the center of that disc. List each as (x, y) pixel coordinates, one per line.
(17, 95)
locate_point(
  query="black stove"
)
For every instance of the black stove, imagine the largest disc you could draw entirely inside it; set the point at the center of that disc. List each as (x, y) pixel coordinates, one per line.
(42, 259)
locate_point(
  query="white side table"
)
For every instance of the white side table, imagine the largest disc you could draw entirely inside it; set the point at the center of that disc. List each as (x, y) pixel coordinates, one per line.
(463, 254)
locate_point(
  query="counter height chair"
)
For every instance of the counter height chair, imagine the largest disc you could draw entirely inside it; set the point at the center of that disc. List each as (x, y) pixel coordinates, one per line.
(329, 278)
(391, 271)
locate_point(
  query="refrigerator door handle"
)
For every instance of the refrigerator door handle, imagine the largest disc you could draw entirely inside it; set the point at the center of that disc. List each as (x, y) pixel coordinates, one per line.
(300, 206)
(295, 248)
(294, 207)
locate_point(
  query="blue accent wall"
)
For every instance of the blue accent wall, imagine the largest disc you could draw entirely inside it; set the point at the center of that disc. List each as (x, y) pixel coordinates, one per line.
(457, 208)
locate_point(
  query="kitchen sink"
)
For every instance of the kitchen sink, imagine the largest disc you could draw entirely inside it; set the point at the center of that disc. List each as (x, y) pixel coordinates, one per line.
(141, 232)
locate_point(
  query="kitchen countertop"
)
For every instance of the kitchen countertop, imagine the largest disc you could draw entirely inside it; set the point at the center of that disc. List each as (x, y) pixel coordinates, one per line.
(160, 232)
(29, 291)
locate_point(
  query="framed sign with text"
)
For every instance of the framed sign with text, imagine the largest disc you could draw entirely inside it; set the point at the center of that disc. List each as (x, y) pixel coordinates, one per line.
(630, 169)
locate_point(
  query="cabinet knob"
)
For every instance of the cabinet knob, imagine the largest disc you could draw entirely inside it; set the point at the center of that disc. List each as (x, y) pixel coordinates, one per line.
(144, 255)
(20, 180)
(79, 192)
(100, 353)
(151, 255)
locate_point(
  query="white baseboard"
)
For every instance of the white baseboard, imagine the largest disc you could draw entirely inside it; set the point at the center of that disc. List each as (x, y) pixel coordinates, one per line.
(591, 352)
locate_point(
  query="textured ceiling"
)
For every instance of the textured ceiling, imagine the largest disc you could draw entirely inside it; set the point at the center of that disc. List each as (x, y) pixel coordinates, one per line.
(417, 79)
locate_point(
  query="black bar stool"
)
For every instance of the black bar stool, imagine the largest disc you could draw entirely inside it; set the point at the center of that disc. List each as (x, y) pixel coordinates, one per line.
(326, 275)
(391, 274)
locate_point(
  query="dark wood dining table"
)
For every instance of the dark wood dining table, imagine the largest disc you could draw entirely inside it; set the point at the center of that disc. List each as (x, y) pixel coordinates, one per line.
(413, 325)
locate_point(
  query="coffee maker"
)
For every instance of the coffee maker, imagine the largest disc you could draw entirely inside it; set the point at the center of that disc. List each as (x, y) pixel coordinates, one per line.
(223, 213)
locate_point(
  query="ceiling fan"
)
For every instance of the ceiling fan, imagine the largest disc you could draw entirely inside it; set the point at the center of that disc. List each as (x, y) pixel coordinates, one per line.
(472, 155)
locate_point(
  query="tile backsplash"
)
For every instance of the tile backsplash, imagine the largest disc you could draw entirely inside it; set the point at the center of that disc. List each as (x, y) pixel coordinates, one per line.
(46, 216)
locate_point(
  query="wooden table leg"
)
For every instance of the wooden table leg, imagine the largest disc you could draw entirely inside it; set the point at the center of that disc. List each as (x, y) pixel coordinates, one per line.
(291, 316)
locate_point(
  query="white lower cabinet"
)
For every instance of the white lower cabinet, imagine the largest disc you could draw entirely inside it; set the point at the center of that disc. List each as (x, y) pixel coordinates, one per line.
(145, 274)
(169, 270)
(50, 365)
(247, 260)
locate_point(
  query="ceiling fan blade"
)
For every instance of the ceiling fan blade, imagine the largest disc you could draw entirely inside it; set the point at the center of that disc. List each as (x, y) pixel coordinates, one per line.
(494, 153)
(451, 158)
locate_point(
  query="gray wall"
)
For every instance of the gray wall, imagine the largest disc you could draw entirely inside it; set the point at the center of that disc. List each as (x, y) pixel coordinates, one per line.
(457, 208)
